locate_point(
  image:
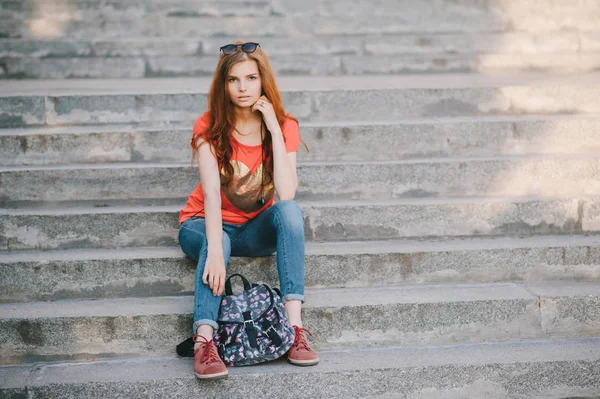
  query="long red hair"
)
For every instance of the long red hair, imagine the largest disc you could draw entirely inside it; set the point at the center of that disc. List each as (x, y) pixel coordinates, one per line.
(223, 117)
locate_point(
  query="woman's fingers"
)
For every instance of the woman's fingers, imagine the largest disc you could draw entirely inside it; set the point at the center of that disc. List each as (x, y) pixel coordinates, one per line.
(220, 285)
(212, 282)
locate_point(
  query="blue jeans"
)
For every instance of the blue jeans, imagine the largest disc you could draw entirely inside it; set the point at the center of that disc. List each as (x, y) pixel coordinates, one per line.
(279, 229)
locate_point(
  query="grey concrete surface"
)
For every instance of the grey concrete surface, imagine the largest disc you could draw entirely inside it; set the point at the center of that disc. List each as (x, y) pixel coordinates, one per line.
(322, 106)
(480, 63)
(499, 370)
(287, 83)
(438, 177)
(142, 272)
(343, 141)
(426, 43)
(398, 315)
(117, 227)
(326, 55)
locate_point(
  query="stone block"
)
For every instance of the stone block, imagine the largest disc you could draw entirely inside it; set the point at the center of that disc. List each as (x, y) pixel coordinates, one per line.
(369, 65)
(429, 218)
(193, 9)
(460, 43)
(108, 230)
(557, 63)
(307, 65)
(52, 147)
(123, 108)
(404, 23)
(146, 47)
(239, 27)
(67, 68)
(43, 49)
(181, 66)
(22, 111)
(540, 16)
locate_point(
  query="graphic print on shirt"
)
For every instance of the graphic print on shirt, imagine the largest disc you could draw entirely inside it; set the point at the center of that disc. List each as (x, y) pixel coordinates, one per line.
(244, 190)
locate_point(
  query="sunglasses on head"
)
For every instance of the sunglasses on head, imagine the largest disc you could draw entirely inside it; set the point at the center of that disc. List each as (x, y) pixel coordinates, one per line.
(249, 47)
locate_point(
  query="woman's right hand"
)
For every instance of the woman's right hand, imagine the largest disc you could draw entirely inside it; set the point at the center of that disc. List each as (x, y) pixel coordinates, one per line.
(214, 272)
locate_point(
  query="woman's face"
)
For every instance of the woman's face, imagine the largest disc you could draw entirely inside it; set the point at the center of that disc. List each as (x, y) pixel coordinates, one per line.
(244, 84)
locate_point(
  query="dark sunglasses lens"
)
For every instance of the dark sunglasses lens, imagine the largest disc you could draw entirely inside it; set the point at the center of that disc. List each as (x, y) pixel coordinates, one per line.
(229, 49)
(249, 47)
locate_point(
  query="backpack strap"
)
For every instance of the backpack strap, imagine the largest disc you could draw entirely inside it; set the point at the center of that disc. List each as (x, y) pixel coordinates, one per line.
(251, 330)
(271, 333)
(229, 291)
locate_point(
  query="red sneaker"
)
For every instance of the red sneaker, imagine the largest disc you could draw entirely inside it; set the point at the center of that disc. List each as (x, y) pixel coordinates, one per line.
(301, 353)
(207, 363)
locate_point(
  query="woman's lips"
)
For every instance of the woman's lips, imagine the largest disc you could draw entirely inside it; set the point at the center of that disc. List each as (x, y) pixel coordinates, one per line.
(244, 98)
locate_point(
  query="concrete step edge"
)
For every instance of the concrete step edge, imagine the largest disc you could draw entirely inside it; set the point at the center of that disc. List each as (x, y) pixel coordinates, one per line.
(83, 87)
(82, 210)
(128, 128)
(412, 161)
(312, 248)
(154, 368)
(316, 298)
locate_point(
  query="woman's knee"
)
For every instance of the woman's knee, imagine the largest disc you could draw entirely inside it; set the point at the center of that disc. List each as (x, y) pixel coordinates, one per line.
(289, 212)
(192, 240)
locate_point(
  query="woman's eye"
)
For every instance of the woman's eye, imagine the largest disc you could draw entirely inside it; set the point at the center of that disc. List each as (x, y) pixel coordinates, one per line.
(252, 77)
(231, 80)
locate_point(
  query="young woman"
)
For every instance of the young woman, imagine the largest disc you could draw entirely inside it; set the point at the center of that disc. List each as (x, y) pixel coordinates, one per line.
(246, 149)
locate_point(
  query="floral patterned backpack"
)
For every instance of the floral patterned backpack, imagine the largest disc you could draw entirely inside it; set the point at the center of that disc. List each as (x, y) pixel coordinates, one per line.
(253, 326)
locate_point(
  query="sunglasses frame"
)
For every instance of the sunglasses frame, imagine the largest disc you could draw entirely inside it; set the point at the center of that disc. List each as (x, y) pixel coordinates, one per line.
(222, 48)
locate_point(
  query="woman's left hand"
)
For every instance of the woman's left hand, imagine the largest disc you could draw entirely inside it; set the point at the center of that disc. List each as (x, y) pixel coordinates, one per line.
(264, 105)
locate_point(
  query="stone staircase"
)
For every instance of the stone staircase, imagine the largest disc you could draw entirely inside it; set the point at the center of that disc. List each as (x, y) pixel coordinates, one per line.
(452, 218)
(451, 223)
(61, 39)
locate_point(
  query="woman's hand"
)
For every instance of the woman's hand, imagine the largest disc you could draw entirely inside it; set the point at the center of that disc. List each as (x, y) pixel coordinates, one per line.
(214, 272)
(264, 106)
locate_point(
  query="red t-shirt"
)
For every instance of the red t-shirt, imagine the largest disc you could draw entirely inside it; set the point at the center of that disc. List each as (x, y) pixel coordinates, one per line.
(239, 200)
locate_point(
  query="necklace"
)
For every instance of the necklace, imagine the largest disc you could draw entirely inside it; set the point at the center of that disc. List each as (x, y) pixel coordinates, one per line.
(246, 134)
(242, 134)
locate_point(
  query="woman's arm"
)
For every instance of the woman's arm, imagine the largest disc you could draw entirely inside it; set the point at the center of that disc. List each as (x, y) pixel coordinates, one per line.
(284, 163)
(214, 270)
(285, 178)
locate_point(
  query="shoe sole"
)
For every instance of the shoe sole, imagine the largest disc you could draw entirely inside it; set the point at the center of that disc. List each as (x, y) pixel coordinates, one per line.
(210, 377)
(311, 362)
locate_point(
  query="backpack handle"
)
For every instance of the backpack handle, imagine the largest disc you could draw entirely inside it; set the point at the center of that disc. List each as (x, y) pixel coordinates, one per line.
(228, 290)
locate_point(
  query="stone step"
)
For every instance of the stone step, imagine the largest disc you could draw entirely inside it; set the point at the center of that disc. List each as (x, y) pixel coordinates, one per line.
(283, 18)
(320, 55)
(295, 65)
(398, 315)
(533, 369)
(438, 177)
(278, 46)
(86, 87)
(117, 227)
(142, 272)
(562, 95)
(343, 141)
